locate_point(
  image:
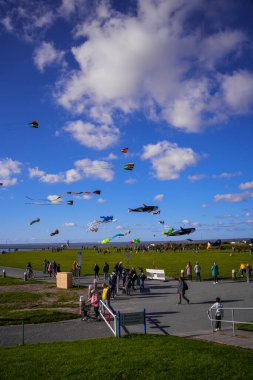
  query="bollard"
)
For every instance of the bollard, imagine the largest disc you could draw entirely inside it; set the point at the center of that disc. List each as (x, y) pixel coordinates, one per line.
(233, 274)
(25, 276)
(82, 305)
(4, 273)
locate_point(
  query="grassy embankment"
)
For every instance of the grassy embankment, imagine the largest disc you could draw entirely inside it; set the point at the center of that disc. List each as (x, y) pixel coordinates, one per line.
(35, 305)
(138, 357)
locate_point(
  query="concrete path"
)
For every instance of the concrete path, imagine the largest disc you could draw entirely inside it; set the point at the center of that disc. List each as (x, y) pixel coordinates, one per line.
(164, 315)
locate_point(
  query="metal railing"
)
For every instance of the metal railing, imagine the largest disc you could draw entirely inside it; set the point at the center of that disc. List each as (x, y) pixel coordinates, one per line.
(233, 321)
(109, 317)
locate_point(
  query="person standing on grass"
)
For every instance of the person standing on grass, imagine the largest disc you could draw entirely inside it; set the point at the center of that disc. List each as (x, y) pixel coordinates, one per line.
(181, 289)
(218, 307)
(215, 272)
(197, 270)
(189, 270)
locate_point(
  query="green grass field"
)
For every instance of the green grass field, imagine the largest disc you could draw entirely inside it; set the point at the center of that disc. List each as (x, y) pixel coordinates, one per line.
(171, 261)
(132, 357)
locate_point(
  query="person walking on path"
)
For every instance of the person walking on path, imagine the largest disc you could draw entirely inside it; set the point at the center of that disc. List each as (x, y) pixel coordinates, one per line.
(215, 272)
(181, 289)
(219, 312)
(189, 270)
(248, 273)
(94, 301)
(96, 271)
(197, 270)
(106, 271)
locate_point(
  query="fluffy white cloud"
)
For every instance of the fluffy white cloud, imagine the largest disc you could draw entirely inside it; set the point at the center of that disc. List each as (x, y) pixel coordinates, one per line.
(130, 181)
(159, 197)
(227, 175)
(196, 177)
(101, 200)
(238, 91)
(95, 169)
(83, 169)
(239, 197)
(8, 170)
(96, 137)
(69, 224)
(246, 185)
(153, 60)
(7, 23)
(168, 160)
(46, 55)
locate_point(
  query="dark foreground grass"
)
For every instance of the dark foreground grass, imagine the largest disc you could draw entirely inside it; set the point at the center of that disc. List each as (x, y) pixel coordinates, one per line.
(132, 357)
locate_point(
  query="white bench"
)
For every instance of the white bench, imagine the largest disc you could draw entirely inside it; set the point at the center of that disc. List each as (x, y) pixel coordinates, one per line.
(156, 274)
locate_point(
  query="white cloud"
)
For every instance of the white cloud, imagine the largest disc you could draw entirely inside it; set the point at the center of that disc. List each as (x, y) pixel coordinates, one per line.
(130, 181)
(119, 227)
(152, 60)
(95, 169)
(246, 185)
(9, 169)
(69, 224)
(241, 197)
(46, 55)
(110, 157)
(205, 205)
(101, 200)
(7, 23)
(238, 91)
(159, 197)
(196, 177)
(227, 175)
(96, 137)
(168, 160)
(83, 169)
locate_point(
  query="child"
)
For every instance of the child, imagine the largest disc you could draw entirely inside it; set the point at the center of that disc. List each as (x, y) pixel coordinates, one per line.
(218, 307)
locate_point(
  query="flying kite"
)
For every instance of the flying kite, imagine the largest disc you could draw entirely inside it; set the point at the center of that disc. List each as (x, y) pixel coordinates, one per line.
(124, 150)
(182, 231)
(214, 245)
(34, 124)
(129, 166)
(106, 219)
(98, 192)
(54, 233)
(145, 208)
(48, 202)
(93, 225)
(135, 241)
(105, 241)
(34, 221)
(156, 212)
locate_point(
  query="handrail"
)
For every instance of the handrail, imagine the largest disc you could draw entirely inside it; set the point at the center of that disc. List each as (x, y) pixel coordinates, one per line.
(233, 321)
(103, 307)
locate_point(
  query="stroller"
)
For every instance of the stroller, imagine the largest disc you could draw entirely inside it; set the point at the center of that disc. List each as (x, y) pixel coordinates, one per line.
(87, 313)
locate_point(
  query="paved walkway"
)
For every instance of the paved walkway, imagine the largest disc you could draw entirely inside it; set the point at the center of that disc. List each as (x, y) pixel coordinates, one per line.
(164, 315)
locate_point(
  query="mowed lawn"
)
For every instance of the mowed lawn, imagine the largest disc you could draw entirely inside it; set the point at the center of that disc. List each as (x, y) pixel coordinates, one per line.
(132, 357)
(171, 261)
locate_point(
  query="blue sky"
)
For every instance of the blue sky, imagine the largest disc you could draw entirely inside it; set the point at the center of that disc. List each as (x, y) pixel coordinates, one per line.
(172, 80)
